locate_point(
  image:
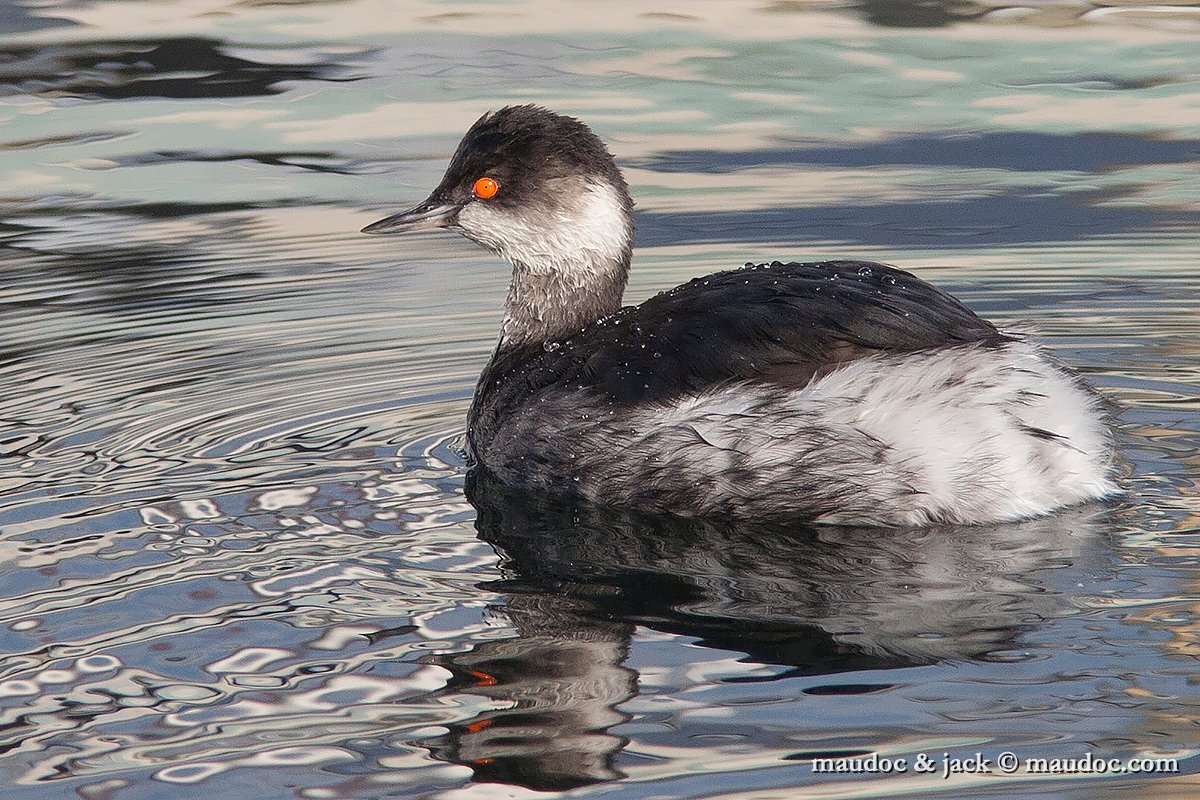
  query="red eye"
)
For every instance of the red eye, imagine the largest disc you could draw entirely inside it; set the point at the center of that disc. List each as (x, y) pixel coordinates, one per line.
(486, 187)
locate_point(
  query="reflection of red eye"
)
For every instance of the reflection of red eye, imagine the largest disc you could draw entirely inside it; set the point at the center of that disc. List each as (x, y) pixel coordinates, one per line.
(486, 187)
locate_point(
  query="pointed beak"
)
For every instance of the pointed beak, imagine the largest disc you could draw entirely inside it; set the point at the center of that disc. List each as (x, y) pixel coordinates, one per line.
(430, 214)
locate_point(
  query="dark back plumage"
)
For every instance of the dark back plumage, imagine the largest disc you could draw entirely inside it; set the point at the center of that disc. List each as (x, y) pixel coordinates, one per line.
(782, 324)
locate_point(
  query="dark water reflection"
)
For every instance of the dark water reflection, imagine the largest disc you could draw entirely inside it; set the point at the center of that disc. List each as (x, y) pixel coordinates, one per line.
(1007, 218)
(808, 601)
(136, 68)
(1024, 150)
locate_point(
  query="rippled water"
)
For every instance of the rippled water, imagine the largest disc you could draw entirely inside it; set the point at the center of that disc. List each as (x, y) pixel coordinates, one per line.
(241, 559)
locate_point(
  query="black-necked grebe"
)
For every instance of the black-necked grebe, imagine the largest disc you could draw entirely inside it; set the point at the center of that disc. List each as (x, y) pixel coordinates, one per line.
(841, 392)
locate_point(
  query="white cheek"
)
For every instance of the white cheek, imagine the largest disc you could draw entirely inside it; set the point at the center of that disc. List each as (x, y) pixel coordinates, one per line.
(592, 230)
(601, 223)
(480, 224)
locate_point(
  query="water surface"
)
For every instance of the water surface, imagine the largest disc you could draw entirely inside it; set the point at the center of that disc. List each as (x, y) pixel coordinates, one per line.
(241, 558)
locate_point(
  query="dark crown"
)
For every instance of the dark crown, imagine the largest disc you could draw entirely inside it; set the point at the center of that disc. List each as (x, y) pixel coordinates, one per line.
(525, 146)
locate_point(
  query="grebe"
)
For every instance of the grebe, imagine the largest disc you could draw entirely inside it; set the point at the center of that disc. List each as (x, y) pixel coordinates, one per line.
(842, 392)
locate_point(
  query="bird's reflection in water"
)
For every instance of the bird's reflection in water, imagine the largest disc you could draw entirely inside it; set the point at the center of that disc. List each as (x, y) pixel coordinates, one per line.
(810, 600)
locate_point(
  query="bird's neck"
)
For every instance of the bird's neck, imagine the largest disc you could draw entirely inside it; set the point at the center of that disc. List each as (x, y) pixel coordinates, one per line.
(545, 307)
(569, 270)
(552, 305)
